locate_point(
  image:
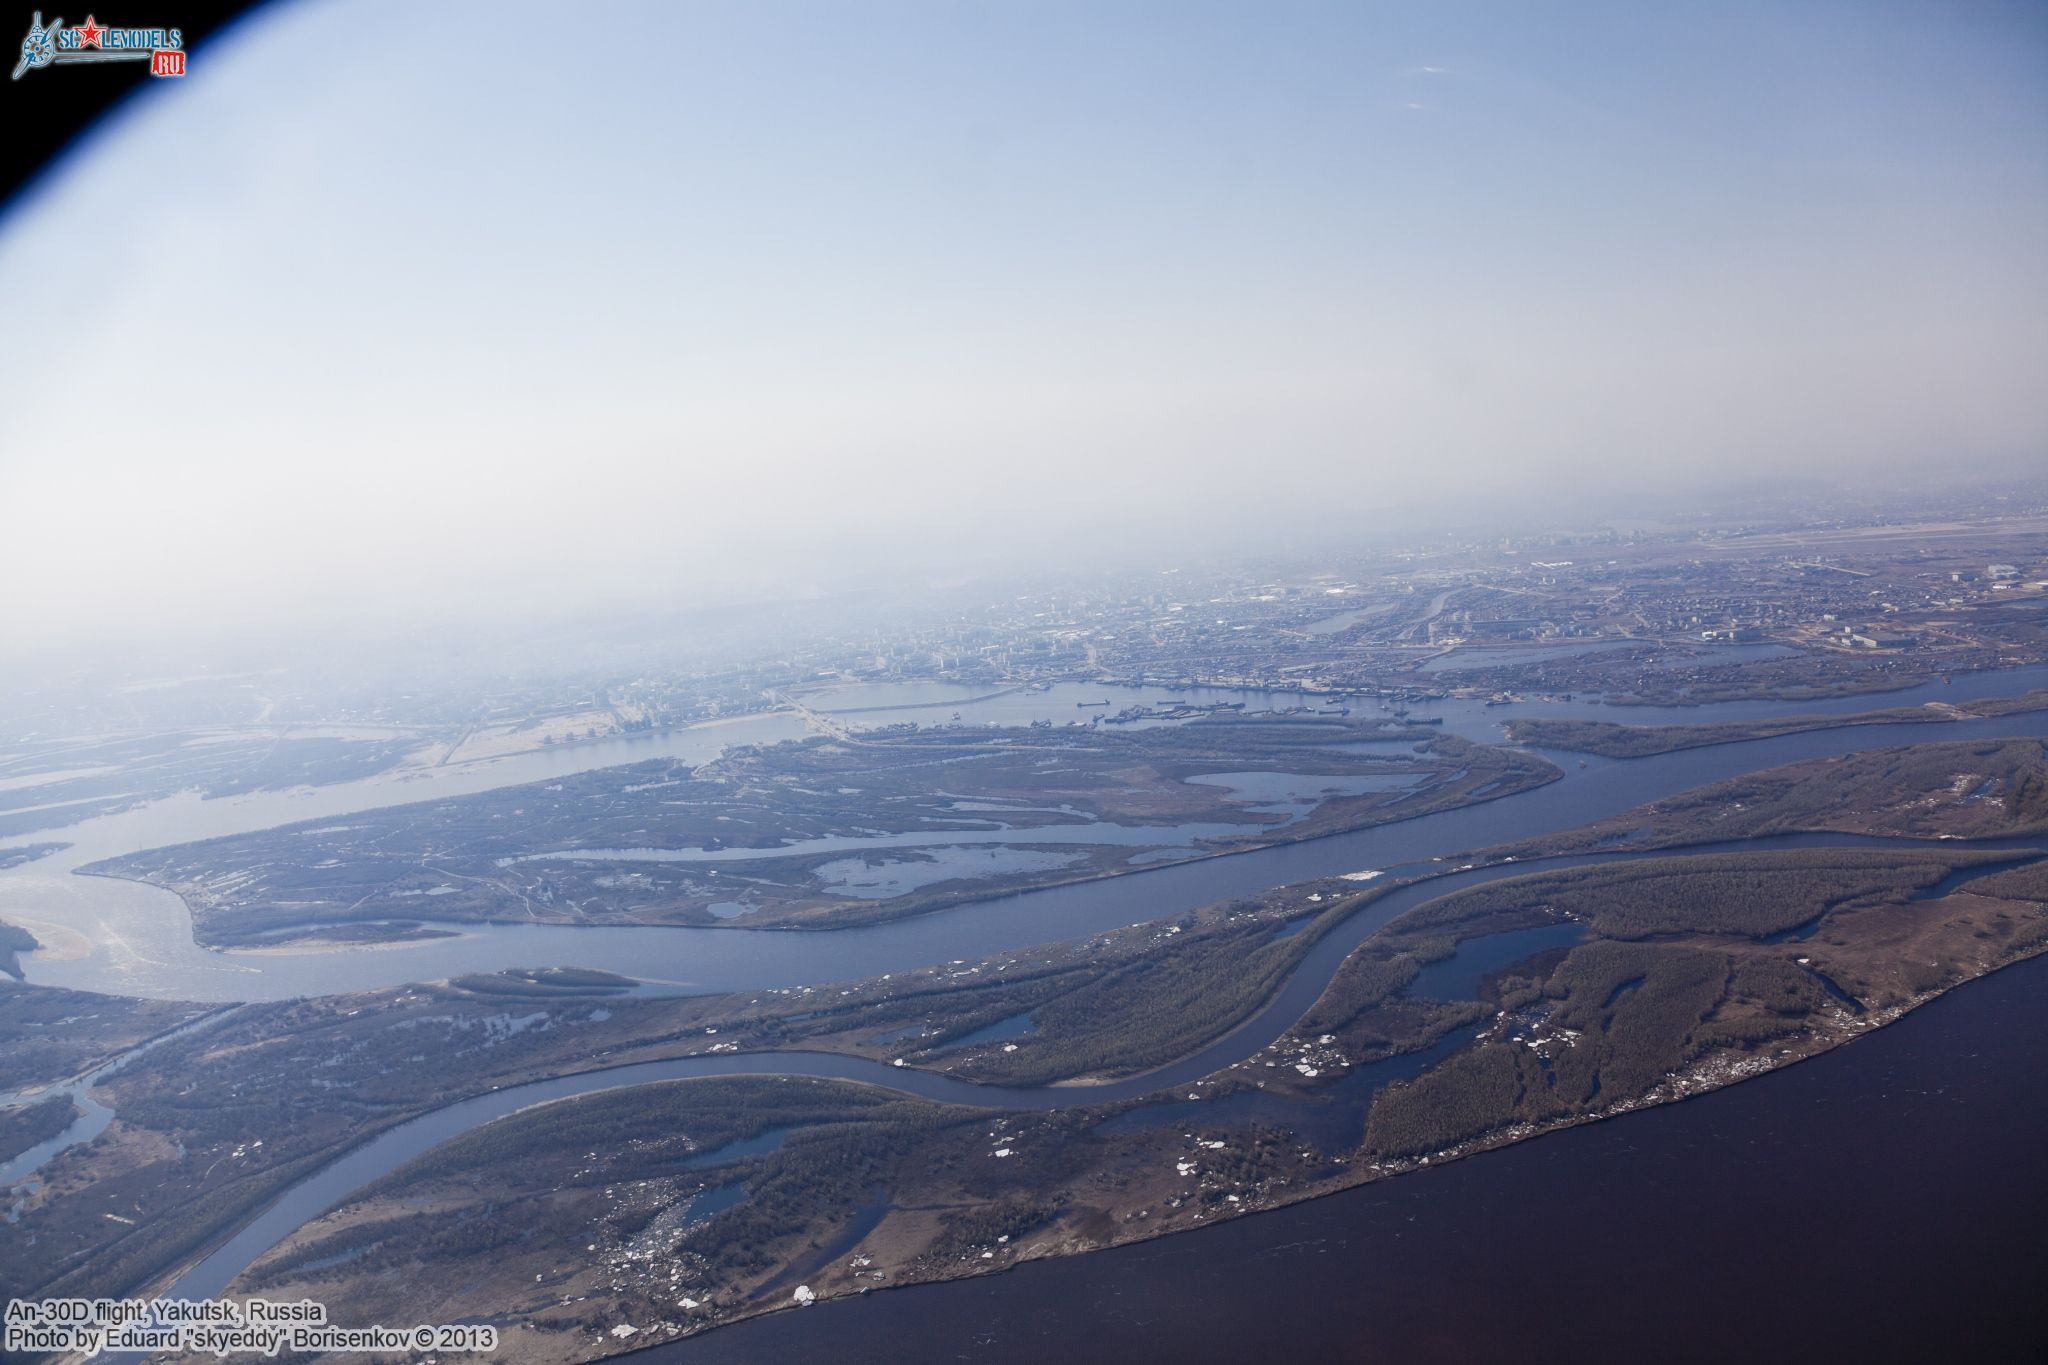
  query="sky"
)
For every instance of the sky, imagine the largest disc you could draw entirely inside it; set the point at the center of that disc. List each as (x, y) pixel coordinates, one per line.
(403, 310)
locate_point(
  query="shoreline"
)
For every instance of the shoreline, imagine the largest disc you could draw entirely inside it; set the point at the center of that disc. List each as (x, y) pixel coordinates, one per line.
(1475, 1147)
(1692, 1086)
(54, 942)
(847, 916)
(1722, 1067)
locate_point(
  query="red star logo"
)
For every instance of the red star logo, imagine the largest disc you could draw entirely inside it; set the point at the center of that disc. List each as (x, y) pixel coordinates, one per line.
(89, 33)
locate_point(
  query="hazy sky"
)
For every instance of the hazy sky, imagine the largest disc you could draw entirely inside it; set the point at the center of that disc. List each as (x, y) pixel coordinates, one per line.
(424, 304)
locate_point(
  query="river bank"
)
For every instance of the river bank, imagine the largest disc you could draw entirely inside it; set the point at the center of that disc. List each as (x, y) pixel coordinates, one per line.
(393, 1149)
(1882, 1202)
(143, 945)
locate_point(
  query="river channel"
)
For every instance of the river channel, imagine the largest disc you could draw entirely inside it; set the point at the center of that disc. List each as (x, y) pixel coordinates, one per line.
(174, 967)
(1881, 1202)
(392, 1149)
(132, 939)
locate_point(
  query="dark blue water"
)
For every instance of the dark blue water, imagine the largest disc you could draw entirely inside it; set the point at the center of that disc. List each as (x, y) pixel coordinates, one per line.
(1457, 977)
(1603, 788)
(388, 1151)
(1331, 1119)
(1016, 1026)
(761, 1144)
(711, 1201)
(1883, 1202)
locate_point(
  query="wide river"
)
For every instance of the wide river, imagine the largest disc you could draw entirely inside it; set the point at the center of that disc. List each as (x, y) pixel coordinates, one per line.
(1882, 1202)
(389, 1150)
(133, 939)
(140, 937)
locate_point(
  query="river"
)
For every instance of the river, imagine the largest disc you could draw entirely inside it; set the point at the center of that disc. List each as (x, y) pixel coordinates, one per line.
(142, 945)
(1883, 1201)
(138, 938)
(389, 1150)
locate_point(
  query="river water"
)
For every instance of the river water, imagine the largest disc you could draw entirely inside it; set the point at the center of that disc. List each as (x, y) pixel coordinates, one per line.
(1884, 1201)
(390, 1150)
(168, 963)
(138, 938)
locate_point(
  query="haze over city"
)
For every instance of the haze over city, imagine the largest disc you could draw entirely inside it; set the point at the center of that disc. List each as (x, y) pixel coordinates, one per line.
(736, 298)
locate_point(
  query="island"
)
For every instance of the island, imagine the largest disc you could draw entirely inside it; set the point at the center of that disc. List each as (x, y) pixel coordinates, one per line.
(668, 1163)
